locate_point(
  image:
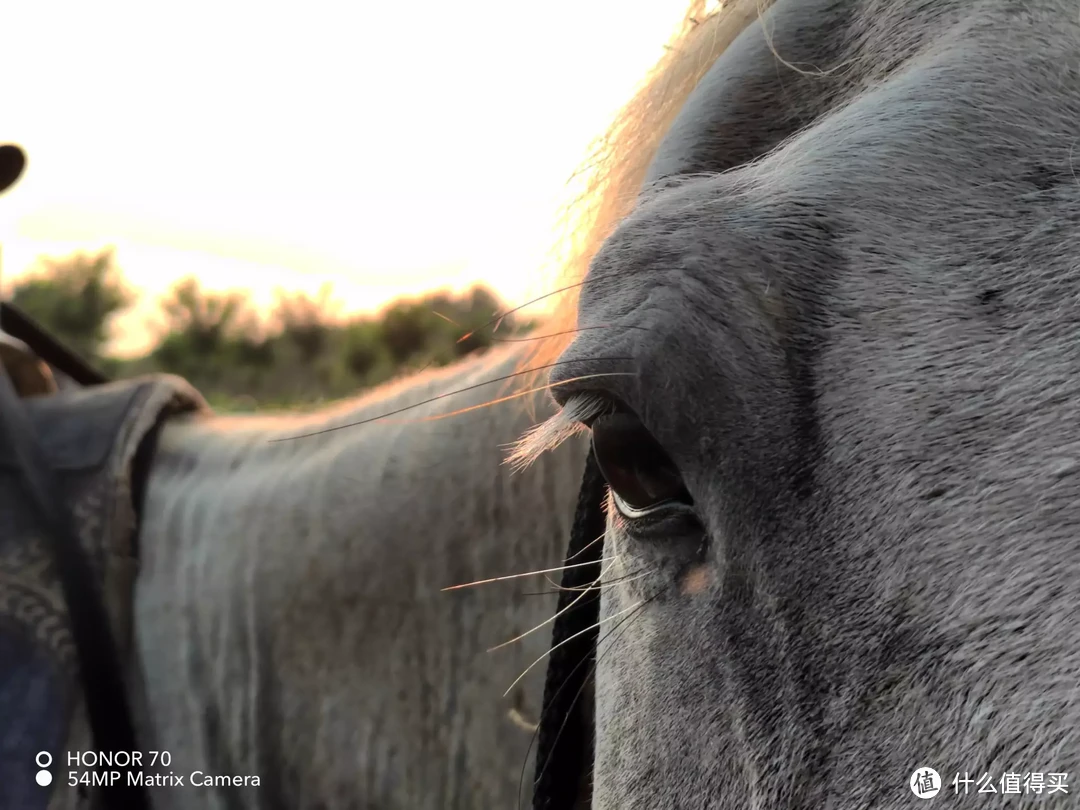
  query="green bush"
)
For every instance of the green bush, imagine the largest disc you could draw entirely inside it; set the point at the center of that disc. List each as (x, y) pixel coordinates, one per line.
(300, 352)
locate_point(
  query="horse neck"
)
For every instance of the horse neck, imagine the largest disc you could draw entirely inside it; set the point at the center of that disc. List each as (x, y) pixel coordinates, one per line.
(289, 602)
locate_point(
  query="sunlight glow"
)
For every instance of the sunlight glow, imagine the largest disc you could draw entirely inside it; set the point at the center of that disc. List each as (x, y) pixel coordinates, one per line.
(264, 146)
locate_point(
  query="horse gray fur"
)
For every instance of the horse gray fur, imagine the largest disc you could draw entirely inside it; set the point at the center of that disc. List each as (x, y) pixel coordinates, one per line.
(288, 615)
(861, 289)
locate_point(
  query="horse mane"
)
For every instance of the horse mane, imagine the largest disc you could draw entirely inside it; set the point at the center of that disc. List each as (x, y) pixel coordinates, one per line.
(614, 170)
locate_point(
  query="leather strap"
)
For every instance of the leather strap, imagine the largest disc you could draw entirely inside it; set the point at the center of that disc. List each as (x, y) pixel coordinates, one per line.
(564, 752)
(100, 667)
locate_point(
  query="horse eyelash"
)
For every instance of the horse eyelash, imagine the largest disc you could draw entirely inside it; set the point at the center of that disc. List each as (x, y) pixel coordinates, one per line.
(555, 430)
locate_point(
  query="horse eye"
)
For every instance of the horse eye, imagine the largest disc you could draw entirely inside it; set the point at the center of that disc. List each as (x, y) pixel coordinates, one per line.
(641, 475)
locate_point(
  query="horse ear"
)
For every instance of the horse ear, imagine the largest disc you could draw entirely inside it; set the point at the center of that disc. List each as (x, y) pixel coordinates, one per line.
(12, 163)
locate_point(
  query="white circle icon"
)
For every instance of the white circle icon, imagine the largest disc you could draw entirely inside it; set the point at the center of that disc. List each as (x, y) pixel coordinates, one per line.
(925, 782)
(43, 759)
(44, 778)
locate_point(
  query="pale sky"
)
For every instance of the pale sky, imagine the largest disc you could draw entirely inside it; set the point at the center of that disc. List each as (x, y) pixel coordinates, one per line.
(385, 148)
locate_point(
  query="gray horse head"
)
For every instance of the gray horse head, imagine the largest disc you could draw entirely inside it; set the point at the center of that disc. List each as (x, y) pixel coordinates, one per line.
(843, 469)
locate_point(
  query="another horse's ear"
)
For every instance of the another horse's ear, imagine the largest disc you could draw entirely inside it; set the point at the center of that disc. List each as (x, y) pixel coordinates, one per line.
(12, 163)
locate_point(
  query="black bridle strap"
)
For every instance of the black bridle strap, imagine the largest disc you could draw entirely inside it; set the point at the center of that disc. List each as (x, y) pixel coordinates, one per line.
(100, 668)
(20, 325)
(564, 751)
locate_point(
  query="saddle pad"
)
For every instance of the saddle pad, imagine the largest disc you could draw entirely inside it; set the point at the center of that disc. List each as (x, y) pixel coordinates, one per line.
(91, 437)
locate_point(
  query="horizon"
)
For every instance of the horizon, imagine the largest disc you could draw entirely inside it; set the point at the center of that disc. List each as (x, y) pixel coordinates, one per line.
(278, 152)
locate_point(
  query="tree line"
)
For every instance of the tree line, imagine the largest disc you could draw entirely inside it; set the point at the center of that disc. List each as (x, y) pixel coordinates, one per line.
(298, 352)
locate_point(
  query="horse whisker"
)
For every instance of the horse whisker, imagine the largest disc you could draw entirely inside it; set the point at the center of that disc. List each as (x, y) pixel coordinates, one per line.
(600, 587)
(546, 622)
(609, 584)
(567, 332)
(526, 574)
(436, 399)
(502, 315)
(565, 640)
(446, 318)
(508, 397)
(552, 583)
(590, 543)
(577, 697)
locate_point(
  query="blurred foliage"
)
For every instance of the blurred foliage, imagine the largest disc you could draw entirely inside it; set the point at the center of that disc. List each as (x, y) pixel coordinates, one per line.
(302, 351)
(76, 297)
